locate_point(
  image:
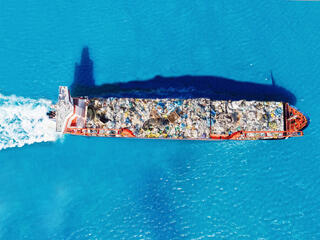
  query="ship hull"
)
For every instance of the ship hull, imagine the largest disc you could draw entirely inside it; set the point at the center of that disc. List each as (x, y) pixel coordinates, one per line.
(177, 119)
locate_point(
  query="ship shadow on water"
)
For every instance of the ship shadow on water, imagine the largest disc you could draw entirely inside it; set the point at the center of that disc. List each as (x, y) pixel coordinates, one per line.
(213, 87)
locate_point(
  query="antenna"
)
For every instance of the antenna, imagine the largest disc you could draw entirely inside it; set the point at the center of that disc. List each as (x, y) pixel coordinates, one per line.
(272, 79)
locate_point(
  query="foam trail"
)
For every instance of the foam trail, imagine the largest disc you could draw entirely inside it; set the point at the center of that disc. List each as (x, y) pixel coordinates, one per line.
(24, 121)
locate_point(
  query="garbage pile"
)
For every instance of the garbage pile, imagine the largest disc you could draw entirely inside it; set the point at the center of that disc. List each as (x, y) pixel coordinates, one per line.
(184, 118)
(157, 118)
(233, 116)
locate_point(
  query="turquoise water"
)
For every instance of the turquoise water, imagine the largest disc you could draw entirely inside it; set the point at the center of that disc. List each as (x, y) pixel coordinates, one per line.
(93, 188)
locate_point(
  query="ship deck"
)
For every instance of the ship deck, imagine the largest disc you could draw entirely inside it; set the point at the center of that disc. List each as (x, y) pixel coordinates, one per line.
(197, 118)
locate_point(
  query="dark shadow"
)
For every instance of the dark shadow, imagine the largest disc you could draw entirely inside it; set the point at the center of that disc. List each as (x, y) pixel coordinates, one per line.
(217, 88)
(83, 72)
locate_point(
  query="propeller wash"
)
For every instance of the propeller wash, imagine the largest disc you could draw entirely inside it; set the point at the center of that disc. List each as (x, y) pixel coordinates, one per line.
(25, 121)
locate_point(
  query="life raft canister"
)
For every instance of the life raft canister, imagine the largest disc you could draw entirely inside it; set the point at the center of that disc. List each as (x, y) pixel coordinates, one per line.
(126, 132)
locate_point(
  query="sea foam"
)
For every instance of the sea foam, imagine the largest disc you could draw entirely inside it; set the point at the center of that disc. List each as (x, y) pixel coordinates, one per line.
(24, 121)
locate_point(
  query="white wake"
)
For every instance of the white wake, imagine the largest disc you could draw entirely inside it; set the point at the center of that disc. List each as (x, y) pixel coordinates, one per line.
(24, 121)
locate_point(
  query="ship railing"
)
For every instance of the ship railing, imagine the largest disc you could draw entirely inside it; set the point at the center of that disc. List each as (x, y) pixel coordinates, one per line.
(271, 134)
(254, 135)
(239, 135)
(93, 131)
(103, 132)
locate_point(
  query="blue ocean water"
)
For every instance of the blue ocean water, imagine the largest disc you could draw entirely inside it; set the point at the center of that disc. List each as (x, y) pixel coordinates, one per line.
(97, 188)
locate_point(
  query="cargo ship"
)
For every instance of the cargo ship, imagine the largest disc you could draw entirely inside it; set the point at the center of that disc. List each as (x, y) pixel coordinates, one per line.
(174, 118)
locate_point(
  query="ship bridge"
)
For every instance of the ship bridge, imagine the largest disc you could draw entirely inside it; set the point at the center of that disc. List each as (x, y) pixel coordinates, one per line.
(70, 112)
